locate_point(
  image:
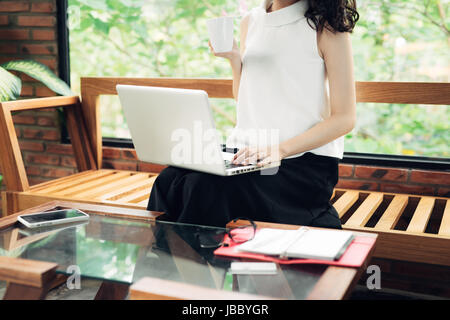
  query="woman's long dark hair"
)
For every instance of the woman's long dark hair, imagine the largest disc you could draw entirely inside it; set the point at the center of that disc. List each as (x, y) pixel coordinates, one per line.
(334, 15)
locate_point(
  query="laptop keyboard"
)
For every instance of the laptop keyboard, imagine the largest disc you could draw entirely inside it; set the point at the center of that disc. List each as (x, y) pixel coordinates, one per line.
(229, 165)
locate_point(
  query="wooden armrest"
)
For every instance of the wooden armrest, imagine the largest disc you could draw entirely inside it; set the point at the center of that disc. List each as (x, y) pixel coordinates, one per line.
(40, 103)
(26, 272)
(11, 161)
(158, 289)
(106, 210)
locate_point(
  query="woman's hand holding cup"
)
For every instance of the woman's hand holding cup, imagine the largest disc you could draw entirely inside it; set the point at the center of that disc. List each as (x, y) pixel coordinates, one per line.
(233, 55)
(221, 41)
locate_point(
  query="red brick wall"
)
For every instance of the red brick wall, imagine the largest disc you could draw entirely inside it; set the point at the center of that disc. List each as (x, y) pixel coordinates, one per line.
(28, 31)
(395, 180)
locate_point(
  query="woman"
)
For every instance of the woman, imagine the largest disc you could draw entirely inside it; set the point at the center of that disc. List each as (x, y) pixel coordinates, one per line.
(293, 75)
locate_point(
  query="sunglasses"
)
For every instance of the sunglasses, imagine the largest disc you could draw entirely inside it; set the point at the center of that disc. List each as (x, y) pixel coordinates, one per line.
(215, 238)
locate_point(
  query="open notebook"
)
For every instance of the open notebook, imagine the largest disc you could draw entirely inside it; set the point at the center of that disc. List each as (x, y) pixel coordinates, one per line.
(304, 243)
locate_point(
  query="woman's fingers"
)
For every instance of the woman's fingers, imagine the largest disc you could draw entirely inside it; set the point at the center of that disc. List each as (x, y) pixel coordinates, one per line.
(239, 153)
(256, 157)
(250, 159)
(249, 156)
(246, 150)
(253, 155)
(243, 154)
(261, 155)
(211, 49)
(227, 55)
(264, 161)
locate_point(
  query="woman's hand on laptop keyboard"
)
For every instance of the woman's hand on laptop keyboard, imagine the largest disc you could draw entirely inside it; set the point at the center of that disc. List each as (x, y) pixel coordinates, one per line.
(260, 156)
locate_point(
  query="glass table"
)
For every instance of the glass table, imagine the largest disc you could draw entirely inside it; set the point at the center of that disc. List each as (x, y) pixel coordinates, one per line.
(120, 251)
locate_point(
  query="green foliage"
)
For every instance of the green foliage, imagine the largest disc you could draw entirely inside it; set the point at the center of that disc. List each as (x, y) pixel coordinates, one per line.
(395, 40)
(14, 253)
(41, 73)
(117, 259)
(10, 86)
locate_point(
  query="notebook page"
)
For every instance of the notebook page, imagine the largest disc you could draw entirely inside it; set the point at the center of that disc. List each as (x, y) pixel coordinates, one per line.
(320, 244)
(271, 241)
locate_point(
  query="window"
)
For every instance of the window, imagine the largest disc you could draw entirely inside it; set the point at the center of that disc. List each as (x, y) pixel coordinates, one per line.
(401, 41)
(395, 40)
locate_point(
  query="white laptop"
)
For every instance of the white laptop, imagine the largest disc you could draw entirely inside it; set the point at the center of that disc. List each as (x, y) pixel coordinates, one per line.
(175, 127)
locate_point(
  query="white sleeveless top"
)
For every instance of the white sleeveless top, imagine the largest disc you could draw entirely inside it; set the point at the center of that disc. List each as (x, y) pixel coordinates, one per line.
(283, 89)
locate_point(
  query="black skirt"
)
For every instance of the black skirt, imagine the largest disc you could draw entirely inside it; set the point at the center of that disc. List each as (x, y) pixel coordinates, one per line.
(299, 193)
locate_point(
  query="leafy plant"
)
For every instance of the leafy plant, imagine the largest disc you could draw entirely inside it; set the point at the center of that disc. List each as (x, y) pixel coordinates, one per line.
(10, 85)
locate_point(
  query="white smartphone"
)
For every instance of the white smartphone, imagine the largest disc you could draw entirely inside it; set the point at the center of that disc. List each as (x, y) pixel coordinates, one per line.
(27, 232)
(51, 218)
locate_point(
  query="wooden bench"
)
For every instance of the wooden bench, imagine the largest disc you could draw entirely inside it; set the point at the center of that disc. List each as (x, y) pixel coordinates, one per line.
(410, 227)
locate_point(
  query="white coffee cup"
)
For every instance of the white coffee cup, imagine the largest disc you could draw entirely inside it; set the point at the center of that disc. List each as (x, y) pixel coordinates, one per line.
(221, 33)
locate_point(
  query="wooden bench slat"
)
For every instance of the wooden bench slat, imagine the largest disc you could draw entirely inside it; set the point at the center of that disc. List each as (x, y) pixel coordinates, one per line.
(390, 217)
(126, 181)
(92, 176)
(345, 202)
(365, 210)
(136, 196)
(92, 184)
(444, 229)
(58, 181)
(143, 203)
(124, 191)
(141, 197)
(421, 216)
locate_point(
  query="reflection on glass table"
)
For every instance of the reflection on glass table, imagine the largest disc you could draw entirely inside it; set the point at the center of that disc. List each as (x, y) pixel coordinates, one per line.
(124, 251)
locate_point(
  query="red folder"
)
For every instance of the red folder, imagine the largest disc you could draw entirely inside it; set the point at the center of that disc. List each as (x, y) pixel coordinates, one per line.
(354, 256)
